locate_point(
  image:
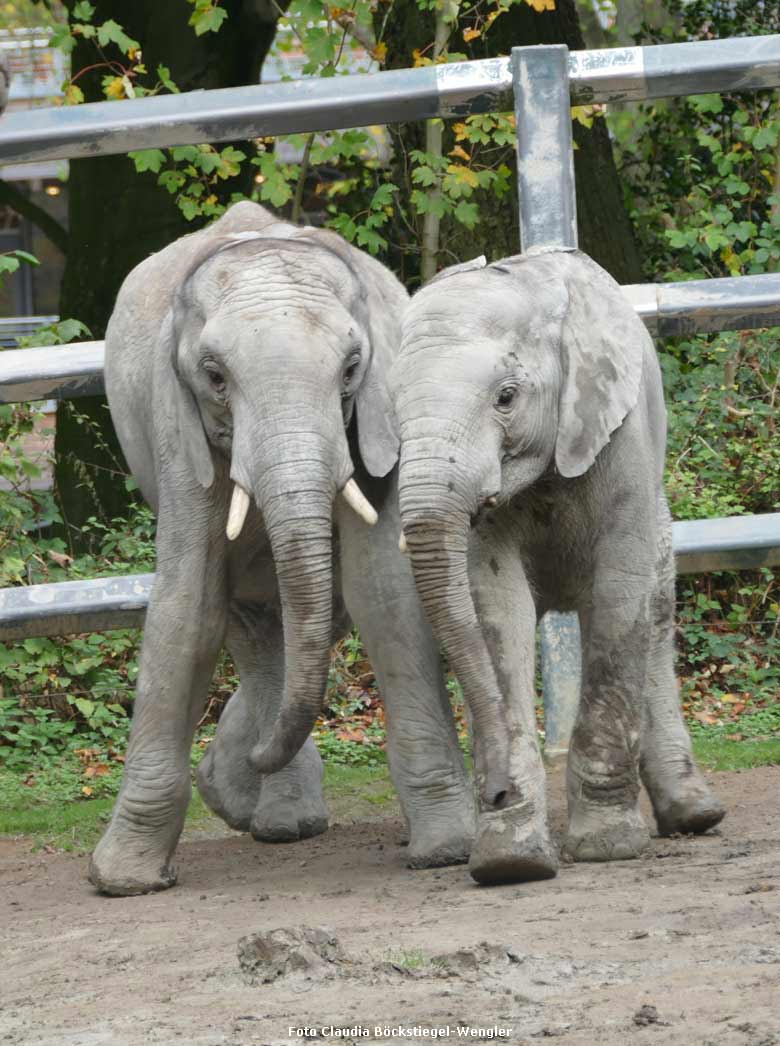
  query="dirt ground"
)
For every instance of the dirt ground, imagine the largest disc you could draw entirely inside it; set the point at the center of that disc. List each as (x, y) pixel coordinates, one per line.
(682, 947)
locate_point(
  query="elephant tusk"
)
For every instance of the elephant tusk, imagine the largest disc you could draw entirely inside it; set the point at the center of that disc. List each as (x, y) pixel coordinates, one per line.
(403, 547)
(356, 500)
(239, 506)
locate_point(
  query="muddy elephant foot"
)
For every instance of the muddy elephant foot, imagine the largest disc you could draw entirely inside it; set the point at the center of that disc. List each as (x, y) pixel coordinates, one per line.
(291, 805)
(682, 800)
(286, 819)
(512, 846)
(605, 834)
(124, 867)
(692, 810)
(435, 846)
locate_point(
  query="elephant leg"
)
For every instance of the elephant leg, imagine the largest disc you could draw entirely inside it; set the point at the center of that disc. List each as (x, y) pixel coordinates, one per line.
(185, 625)
(424, 756)
(682, 800)
(605, 823)
(281, 807)
(513, 844)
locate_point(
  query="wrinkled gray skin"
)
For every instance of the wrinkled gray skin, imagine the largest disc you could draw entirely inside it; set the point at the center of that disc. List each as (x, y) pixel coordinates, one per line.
(233, 359)
(533, 432)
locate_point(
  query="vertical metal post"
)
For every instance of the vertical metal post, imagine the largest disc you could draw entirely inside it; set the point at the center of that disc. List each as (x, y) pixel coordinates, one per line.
(545, 153)
(548, 218)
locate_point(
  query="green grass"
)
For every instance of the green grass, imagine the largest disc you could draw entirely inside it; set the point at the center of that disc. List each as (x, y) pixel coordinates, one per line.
(51, 814)
(716, 753)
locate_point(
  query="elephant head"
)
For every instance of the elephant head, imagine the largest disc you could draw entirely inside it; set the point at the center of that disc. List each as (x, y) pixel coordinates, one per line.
(507, 373)
(275, 338)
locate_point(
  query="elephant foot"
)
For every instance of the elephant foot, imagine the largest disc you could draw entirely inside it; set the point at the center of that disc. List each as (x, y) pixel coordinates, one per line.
(439, 846)
(683, 802)
(512, 846)
(692, 811)
(287, 819)
(124, 868)
(605, 834)
(291, 805)
(229, 787)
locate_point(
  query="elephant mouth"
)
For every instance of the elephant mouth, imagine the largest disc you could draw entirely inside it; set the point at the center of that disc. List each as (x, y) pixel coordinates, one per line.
(241, 499)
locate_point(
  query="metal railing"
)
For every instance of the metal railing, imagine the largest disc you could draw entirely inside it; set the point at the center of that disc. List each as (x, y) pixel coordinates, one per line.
(541, 83)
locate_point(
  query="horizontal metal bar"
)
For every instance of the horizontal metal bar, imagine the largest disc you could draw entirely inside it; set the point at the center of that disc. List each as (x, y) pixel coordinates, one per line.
(625, 74)
(52, 372)
(700, 306)
(393, 96)
(60, 609)
(102, 604)
(290, 107)
(733, 543)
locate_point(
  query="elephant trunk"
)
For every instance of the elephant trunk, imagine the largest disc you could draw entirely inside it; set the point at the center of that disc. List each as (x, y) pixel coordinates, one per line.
(301, 542)
(436, 522)
(295, 497)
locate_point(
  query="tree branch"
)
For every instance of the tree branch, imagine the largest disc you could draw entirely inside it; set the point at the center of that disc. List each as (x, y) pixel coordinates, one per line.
(25, 207)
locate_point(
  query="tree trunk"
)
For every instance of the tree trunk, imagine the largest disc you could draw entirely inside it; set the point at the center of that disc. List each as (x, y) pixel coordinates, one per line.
(118, 217)
(605, 230)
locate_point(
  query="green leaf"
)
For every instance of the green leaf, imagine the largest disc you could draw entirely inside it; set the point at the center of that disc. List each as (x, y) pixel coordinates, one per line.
(148, 159)
(164, 76)
(61, 38)
(84, 706)
(765, 137)
(24, 256)
(423, 176)
(83, 10)
(185, 152)
(208, 20)
(467, 214)
(707, 103)
(172, 181)
(111, 32)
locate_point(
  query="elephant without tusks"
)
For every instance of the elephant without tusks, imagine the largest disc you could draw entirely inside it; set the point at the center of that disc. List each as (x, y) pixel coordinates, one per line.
(533, 430)
(246, 369)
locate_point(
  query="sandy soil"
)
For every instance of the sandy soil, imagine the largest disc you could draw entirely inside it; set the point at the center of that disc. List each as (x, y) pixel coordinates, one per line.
(682, 947)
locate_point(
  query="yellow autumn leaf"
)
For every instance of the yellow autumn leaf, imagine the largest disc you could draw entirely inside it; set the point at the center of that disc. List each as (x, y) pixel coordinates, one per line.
(380, 52)
(420, 59)
(542, 5)
(133, 53)
(463, 174)
(460, 152)
(86, 790)
(582, 114)
(116, 88)
(461, 131)
(471, 34)
(73, 95)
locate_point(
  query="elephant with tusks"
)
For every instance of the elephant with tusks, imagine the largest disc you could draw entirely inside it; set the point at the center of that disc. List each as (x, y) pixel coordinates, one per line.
(247, 373)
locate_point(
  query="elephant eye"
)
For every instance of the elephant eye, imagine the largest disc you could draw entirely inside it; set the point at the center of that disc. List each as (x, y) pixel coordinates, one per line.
(350, 371)
(215, 376)
(506, 397)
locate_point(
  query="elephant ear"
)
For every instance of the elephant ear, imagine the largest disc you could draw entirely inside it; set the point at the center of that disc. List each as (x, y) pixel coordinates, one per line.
(384, 303)
(187, 435)
(603, 343)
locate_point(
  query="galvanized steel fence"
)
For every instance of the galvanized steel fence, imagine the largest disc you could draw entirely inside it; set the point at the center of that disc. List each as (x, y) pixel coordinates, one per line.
(541, 83)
